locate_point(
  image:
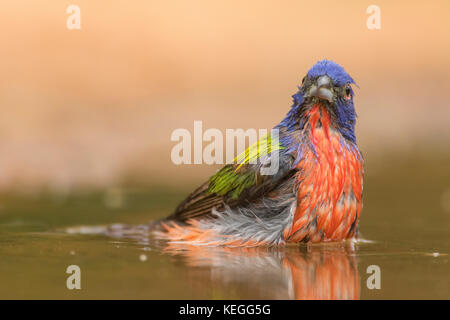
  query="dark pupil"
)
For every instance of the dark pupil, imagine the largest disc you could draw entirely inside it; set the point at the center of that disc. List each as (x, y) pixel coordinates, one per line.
(347, 91)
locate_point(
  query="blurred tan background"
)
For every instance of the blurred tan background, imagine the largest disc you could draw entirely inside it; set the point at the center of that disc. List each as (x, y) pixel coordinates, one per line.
(96, 106)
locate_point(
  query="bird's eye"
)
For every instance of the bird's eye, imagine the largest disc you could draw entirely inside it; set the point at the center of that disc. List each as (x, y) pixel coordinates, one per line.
(348, 92)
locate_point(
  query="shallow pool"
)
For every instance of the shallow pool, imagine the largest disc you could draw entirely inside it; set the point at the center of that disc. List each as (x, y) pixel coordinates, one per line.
(405, 219)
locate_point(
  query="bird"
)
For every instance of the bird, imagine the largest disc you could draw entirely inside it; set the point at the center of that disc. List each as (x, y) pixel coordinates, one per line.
(315, 195)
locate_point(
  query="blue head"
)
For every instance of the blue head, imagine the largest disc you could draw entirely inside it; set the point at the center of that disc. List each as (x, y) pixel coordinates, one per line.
(329, 84)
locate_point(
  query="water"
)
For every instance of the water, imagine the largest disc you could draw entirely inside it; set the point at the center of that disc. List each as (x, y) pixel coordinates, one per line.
(406, 218)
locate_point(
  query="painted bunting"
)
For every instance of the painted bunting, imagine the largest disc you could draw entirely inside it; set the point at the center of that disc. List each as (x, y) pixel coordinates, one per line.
(314, 196)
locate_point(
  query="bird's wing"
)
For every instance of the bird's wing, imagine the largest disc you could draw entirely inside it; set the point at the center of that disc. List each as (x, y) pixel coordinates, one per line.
(238, 183)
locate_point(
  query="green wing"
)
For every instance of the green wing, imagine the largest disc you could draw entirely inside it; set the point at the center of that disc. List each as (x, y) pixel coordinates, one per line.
(233, 179)
(227, 186)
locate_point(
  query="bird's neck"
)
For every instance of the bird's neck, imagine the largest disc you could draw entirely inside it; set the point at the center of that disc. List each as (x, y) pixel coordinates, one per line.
(328, 118)
(318, 118)
(306, 117)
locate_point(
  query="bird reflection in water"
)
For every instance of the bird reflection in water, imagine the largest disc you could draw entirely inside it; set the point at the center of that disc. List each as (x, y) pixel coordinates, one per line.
(296, 272)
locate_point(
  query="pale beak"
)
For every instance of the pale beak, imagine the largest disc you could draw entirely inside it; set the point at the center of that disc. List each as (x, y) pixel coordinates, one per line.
(322, 89)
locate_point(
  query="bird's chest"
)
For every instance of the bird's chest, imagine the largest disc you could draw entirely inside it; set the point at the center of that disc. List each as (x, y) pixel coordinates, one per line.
(329, 187)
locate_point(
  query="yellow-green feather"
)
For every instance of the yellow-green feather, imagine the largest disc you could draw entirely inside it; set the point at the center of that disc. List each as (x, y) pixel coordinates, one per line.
(232, 180)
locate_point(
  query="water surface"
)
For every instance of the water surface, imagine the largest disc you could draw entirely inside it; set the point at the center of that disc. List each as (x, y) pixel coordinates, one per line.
(406, 218)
